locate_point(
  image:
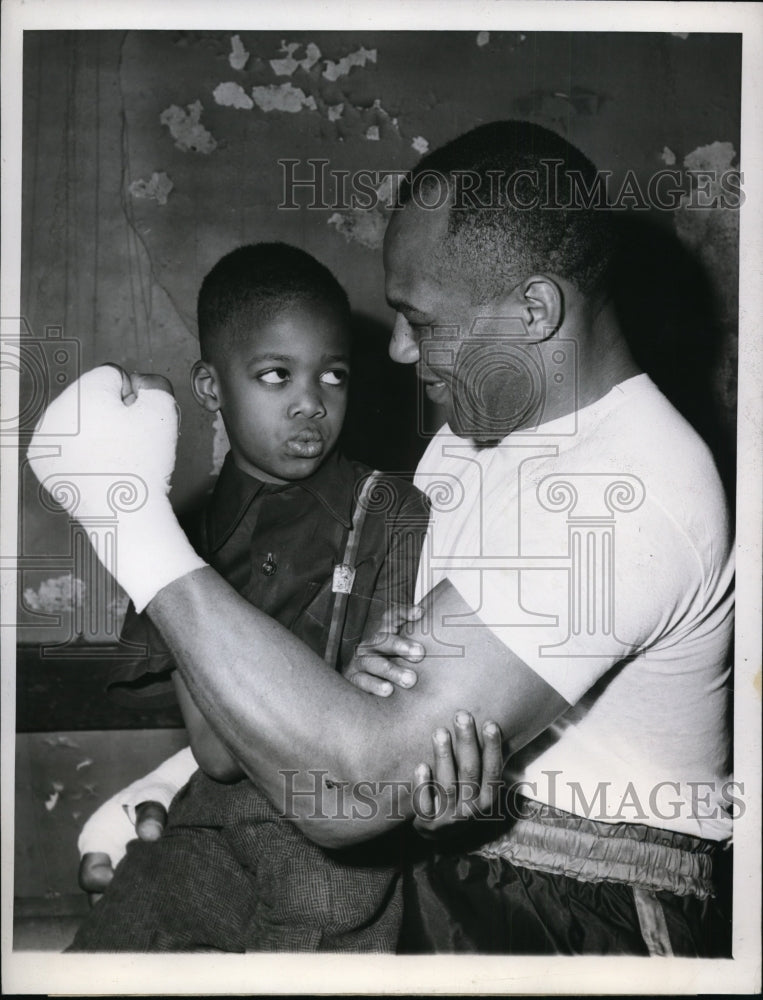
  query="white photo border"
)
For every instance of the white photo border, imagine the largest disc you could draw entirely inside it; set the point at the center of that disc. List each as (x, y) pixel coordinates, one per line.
(28, 972)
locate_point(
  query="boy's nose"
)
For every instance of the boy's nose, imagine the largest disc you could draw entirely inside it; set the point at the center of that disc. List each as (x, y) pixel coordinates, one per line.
(403, 344)
(308, 404)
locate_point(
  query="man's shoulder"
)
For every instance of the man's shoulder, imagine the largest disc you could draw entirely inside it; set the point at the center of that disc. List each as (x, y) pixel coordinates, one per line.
(662, 467)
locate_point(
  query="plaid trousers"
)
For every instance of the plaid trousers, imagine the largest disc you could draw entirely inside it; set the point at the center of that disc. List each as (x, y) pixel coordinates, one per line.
(230, 874)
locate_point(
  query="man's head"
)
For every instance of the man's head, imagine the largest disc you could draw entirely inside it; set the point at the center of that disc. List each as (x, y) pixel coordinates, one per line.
(274, 329)
(483, 268)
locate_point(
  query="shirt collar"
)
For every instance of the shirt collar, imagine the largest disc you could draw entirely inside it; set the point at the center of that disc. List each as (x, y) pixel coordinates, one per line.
(332, 484)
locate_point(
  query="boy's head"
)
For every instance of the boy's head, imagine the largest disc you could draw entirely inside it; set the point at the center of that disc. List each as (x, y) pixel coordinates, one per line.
(274, 330)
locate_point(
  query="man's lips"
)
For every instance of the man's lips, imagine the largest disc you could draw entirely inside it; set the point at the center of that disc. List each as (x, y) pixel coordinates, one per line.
(436, 388)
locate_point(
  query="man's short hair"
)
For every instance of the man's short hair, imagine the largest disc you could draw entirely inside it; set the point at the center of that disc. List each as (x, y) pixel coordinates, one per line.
(253, 284)
(503, 182)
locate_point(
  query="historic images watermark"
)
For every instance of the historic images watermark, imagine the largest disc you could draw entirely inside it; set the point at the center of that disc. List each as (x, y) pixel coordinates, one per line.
(317, 795)
(311, 183)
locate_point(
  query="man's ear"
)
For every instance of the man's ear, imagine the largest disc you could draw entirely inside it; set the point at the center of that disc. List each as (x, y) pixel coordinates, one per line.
(543, 301)
(204, 386)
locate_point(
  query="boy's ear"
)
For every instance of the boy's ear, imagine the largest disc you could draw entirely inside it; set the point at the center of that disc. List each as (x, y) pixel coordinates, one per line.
(543, 306)
(204, 386)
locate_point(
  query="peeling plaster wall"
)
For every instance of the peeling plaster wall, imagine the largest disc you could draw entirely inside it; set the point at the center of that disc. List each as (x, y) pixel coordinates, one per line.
(147, 155)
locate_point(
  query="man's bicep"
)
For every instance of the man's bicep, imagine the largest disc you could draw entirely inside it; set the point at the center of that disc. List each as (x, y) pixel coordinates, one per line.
(467, 667)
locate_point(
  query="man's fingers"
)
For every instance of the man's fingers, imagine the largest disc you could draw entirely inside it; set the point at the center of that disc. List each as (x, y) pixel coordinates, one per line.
(141, 381)
(150, 820)
(492, 764)
(133, 383)
(95, 871)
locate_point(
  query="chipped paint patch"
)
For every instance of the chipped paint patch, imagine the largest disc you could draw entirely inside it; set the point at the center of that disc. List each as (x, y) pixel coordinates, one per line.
(372, 132)
(220, 444)
(667, 156)
(334, 112)
(52, 800)
(238, 57)
(282, 97)
(343, 66)
(483, 37)
(712, 233)
(186, 128)
(358, 226)
(59, 593)
(157, 188)
(680, 34)
(386, 193)
(61, 741)
(420, 144)
(716, 156)
(288, 65)
(232, 95)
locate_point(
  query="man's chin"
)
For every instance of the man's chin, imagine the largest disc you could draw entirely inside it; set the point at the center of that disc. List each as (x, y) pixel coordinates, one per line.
(486, 442)
(480, 437)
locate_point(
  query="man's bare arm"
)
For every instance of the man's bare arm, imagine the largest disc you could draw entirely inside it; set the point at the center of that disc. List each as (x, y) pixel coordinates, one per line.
(281, 710)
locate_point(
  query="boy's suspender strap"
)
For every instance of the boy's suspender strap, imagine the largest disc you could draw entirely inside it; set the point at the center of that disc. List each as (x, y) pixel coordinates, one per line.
(344, 573)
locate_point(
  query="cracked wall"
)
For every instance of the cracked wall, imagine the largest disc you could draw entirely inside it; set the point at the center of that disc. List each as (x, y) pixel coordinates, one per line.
(147, 155)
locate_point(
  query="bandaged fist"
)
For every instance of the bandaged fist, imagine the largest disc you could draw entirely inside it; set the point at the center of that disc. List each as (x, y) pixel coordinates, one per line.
(115, 472)
(127, 435)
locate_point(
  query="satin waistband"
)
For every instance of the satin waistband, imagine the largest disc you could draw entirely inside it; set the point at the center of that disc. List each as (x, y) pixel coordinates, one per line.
(550, 840)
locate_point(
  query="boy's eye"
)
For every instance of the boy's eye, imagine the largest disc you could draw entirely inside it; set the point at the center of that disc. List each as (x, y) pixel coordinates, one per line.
(274, 376)
(335, 376)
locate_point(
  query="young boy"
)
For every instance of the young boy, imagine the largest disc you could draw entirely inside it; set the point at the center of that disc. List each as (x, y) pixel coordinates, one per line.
(306, 536)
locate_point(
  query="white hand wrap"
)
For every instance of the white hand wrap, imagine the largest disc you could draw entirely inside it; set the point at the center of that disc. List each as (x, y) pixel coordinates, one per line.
(117, 469)
(112, 826)
(162, 784)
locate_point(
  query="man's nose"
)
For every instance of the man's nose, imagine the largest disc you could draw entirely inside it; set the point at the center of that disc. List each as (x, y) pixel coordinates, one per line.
(308, 402)
(403, 344)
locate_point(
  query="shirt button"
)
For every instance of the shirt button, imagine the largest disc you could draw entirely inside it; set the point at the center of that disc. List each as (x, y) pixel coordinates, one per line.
(269, 567)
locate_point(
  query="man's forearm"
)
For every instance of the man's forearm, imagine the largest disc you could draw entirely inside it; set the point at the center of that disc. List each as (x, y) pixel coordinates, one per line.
(270, 698)
(287, 717)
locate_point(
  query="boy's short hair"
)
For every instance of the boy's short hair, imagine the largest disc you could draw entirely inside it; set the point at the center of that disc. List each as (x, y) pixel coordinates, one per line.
(254, 283)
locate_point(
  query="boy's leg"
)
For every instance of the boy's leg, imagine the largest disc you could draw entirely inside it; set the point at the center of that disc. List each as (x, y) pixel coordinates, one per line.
(185, 891)
(182, 892)
(311, 899)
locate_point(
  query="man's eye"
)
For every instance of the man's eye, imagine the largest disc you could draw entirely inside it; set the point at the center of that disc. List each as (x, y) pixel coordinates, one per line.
(273, 376)
(335, 376)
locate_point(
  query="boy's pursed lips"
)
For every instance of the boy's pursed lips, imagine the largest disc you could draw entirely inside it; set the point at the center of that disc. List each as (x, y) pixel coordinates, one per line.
(307, 442)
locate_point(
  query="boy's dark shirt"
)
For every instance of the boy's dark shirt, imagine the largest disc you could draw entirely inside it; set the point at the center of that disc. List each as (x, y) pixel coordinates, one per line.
(230, 873)
(278, 545)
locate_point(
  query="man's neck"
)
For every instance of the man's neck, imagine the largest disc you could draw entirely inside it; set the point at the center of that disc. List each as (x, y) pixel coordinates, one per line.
(603, 358)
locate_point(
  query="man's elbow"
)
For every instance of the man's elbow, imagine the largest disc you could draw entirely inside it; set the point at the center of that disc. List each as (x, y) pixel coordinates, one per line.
(338, 833)
(215, 762)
